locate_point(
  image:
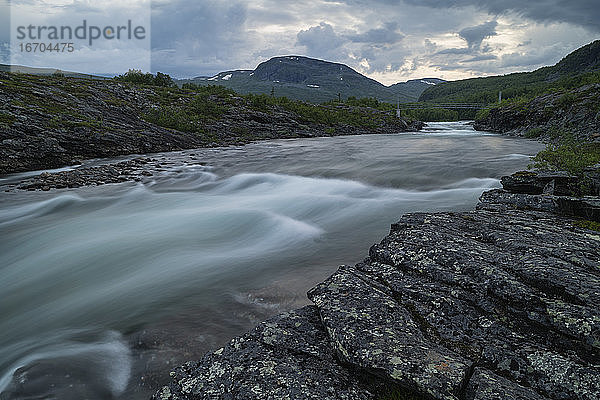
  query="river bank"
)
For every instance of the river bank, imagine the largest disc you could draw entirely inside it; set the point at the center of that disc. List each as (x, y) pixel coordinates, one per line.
(50, 122)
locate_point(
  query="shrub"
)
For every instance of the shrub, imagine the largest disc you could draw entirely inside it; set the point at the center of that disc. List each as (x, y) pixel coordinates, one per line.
(216, 90)
(566, 100)
(138, 77)
(568, 156)
(433, 114)
(482, 114)
(534, 133)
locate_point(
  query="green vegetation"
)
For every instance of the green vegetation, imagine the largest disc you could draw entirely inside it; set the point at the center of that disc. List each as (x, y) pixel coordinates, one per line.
(190, 116)
(365, 102)
(187, 108)
(575, 70)
(568, 155)
(331, 113)
(591, 225)
(138, 77)
(217, 90)
(534, 133)
(6, 119)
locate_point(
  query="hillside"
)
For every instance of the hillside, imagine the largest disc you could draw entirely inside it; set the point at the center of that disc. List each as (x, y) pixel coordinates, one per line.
(554, 116)
(317, 81)
(572, 71)
(53, 121)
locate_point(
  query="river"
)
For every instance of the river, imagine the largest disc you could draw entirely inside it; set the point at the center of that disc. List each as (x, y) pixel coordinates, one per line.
(104, 289)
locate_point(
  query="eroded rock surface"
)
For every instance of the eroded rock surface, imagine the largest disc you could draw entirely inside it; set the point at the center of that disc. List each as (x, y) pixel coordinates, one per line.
(287, 357)
(499, 303)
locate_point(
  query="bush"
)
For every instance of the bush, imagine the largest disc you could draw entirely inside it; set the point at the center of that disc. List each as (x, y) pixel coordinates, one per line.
(566, 100)
(482, 114)
(138, 77)
(216, 90)
(568, 156)
(190, 117)
(363, 102)
(534, 133)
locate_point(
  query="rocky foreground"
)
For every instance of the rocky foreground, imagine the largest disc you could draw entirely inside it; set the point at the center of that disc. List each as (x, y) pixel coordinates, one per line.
(498, 303)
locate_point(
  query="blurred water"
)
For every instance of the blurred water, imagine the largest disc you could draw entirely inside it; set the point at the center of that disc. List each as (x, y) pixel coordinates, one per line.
(104, 289)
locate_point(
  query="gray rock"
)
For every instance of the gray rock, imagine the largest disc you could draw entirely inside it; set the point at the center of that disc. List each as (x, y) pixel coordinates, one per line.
(369, 328)
(536, 182)
(287, 357)
(591, 180)
(485, 385)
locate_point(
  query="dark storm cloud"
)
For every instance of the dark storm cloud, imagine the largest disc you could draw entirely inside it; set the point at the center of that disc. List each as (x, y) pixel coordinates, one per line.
(455, 51)
(385, 35)
(474, 35)
(578, 12)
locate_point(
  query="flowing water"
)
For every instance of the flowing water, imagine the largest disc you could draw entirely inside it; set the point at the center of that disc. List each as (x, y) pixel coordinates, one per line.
(104, 289)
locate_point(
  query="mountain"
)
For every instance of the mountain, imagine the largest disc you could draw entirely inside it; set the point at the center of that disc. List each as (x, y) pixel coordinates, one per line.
(45, 71)
(575, 67)
(313, 80)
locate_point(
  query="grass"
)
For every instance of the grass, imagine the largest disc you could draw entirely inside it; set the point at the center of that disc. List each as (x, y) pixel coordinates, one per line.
(591, 225)
(188, 117)
(6, 119)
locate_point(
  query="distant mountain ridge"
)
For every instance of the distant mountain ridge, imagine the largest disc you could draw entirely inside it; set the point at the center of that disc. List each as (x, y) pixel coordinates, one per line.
(46, 71)
(313, 80)
(582, 61)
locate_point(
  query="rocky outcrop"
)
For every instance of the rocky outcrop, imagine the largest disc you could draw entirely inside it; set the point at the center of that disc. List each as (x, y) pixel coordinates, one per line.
(50, 122)
(130, 170)
(498, 303)
(550, 116)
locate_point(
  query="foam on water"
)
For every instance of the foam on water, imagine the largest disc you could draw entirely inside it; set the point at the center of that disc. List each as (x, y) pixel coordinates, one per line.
(108, 358)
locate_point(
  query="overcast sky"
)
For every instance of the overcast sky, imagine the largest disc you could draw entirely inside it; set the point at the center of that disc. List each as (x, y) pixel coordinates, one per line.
(388, 40)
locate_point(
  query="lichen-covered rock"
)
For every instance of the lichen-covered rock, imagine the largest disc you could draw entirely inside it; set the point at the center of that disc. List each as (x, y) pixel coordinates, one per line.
(587, 207)
(534, 182)
(485, 385)
(287, 357)
(369, 328)
(516, 292)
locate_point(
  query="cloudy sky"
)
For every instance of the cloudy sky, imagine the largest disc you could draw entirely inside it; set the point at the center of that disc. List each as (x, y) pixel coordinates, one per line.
(388, 40)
